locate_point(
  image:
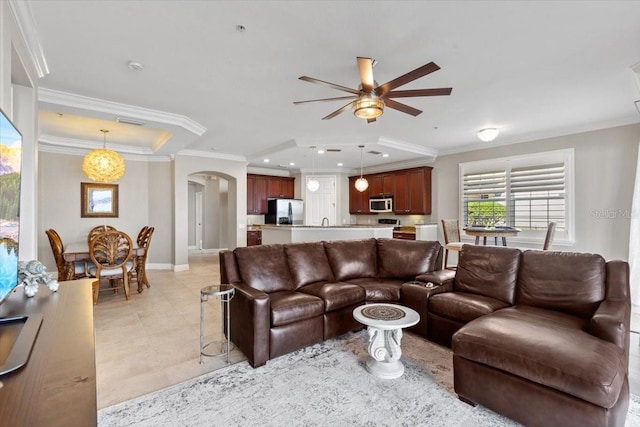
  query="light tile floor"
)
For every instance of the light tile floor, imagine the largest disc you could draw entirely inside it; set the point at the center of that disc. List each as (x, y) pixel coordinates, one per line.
(152, 341)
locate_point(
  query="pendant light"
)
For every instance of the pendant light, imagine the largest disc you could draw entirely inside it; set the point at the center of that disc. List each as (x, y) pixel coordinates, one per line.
(312, 183)
(361, 183)
(102, 165)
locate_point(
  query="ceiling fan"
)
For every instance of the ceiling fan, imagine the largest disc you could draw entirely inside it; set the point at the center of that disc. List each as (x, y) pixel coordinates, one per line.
(370, 98)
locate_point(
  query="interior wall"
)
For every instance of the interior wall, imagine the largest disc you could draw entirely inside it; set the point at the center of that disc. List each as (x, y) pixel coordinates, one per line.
(605, 166)
(18, 89)
(59, 178)
(160, 214)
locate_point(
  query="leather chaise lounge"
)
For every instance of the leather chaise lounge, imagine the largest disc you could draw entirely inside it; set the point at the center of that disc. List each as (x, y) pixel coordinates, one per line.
(540, 337)
(289, 296)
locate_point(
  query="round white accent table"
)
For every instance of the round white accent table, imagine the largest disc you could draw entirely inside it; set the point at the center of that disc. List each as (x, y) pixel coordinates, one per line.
(384, 323)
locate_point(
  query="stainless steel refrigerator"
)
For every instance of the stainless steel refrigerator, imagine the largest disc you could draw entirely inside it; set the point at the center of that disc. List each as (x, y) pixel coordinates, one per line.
(285, 211)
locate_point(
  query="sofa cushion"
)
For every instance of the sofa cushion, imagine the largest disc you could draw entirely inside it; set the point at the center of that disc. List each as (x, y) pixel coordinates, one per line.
(463, 307)
(308, 263)
(548, 348)
(350, 259)
(405, 259)
(491, 271)
(264, 268)
(570, 282)
(384, 290)
(290, 307)
(335, 294)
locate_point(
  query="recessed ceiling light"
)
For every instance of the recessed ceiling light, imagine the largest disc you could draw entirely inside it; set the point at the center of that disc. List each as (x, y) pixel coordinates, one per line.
(385, 155)
(135, 66)
(339, 164)
(266, 160)
(291, 164)
(320, 151)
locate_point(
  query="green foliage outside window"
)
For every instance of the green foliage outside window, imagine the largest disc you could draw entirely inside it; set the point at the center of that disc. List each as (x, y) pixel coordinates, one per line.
(486, 212)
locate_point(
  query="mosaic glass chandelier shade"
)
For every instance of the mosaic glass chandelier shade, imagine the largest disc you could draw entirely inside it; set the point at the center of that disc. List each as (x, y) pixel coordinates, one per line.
(102, 165)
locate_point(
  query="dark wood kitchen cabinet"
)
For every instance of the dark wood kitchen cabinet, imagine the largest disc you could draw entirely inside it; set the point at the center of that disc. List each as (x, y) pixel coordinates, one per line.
(254, 237)
(280, 187)
(256, 194)
(358, 202)
(262, 187)
(381, 184)
(412, 195)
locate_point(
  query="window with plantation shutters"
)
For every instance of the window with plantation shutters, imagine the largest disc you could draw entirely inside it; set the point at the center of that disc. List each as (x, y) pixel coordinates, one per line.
(526, 192)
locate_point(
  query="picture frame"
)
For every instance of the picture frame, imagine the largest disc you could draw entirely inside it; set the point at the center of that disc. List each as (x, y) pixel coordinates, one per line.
(98, 200)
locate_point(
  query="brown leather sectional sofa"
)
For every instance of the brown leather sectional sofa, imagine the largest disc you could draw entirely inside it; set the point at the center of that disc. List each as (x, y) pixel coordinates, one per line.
(294, 295)
(541, 337)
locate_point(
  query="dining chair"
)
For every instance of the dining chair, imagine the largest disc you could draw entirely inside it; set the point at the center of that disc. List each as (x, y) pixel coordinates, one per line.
(144, 240)
(97, 230)
(548, 240)
(111, 253)
(451, 233)
(57, 247)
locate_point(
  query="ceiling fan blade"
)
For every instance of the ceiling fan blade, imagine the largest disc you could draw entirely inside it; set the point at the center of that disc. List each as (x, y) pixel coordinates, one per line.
(418, 92)
(325, 99)
(406, 78)
(339, 111)
(371, 120)
(365, 65)
(401, 107)
(331, 85)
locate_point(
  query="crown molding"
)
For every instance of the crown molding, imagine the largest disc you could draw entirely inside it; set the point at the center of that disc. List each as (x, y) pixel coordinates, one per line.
(29, 33)
(109, 107)
(410, 148)
(75, 147)
(212, 155)
(268, 171)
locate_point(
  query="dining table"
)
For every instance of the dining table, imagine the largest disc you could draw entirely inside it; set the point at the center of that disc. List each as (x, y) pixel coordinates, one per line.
(496, 232)
(79, 252)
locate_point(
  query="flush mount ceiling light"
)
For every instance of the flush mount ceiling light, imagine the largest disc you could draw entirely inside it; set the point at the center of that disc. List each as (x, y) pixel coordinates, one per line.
(102, 165)
(488, 134)
(361, 183)
(312, 183)
(135, 66)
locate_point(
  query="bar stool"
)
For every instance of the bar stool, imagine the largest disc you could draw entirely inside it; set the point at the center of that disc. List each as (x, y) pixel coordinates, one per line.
(224, 293)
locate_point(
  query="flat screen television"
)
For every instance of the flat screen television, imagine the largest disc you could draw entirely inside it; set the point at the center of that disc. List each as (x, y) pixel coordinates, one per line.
(17, 333)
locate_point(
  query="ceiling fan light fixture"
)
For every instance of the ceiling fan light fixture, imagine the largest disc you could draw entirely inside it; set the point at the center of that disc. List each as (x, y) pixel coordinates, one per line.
(488, 134)
(367, 107)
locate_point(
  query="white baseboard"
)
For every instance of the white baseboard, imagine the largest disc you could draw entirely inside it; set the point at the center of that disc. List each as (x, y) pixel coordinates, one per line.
(159, 266)
(181, 267)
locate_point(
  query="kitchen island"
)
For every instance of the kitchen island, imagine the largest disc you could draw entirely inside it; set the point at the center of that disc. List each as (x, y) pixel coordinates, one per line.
(313, 233)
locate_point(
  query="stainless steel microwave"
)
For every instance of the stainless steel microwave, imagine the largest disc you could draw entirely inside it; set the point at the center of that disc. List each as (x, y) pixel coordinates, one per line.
(381, 204)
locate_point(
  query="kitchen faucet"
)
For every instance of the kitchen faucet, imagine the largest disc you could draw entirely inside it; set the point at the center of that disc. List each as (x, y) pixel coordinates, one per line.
(325, 219)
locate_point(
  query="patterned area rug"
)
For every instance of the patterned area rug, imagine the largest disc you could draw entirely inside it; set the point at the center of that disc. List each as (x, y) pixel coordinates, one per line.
(325, 384)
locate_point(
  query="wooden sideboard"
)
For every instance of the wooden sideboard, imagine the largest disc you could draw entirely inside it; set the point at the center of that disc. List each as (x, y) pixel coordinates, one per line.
(57, 386)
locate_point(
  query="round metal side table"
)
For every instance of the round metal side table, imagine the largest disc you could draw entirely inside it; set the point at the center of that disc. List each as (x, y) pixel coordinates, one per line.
(225, 294)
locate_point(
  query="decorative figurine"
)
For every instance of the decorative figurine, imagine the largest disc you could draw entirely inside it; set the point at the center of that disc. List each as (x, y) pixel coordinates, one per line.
(31, 274)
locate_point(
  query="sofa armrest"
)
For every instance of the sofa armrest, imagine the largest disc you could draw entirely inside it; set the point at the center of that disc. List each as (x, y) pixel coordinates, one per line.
(611, 322)
(251, 323)
(416, 295)
(437, 277)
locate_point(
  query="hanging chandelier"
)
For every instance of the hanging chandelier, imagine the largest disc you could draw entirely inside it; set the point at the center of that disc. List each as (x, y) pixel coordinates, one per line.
(102, 165)
(361, 183)
(312, 183)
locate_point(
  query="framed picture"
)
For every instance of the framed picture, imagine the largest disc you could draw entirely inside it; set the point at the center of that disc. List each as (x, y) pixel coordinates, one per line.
(99, 200)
